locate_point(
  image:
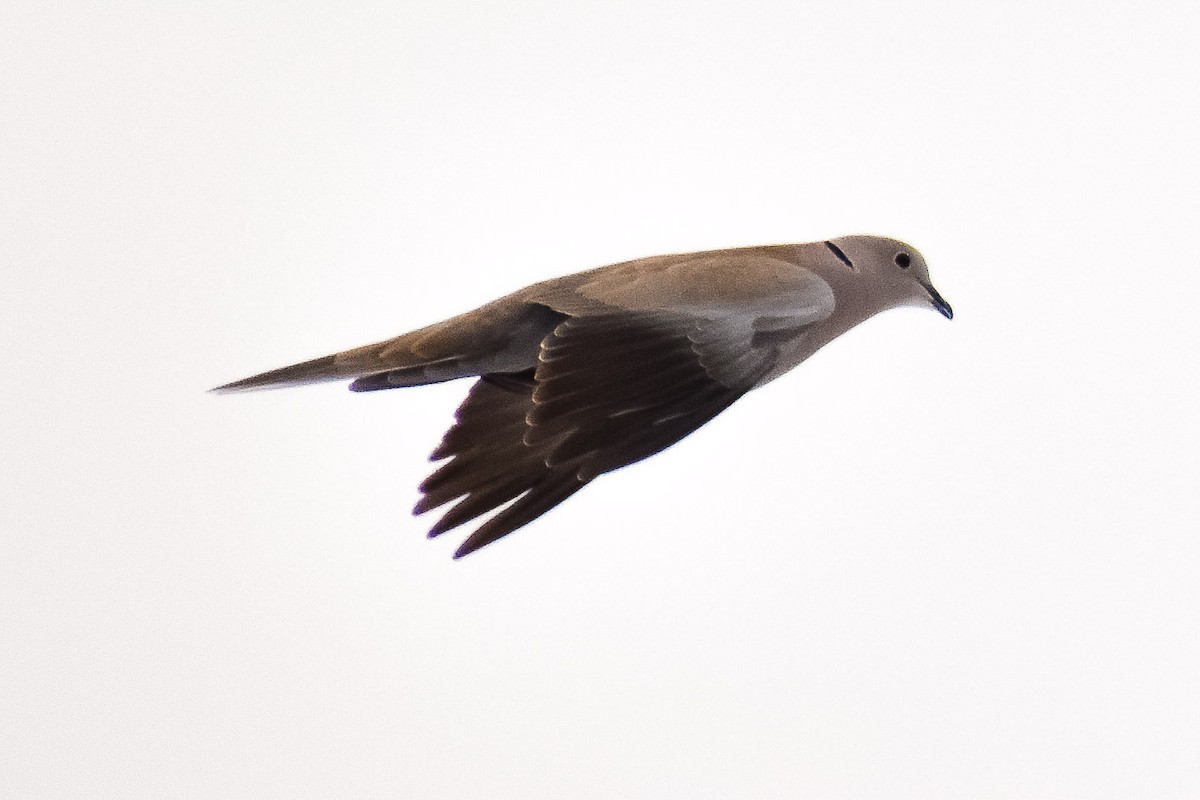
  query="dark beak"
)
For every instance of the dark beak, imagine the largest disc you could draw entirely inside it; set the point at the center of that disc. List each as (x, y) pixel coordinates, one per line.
(939, 303)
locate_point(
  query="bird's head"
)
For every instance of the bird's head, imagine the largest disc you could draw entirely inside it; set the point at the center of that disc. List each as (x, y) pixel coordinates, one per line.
(894, 271)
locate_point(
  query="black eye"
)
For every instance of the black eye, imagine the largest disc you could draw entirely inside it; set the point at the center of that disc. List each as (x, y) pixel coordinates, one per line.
(902, 260)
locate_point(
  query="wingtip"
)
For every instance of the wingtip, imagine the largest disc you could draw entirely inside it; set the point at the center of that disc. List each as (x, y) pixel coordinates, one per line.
(464, 550)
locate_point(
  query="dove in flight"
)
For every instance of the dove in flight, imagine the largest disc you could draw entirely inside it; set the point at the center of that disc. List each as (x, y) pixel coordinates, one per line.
(586, 373)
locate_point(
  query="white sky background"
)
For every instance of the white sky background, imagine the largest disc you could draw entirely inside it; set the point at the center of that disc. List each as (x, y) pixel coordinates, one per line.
(939, 560)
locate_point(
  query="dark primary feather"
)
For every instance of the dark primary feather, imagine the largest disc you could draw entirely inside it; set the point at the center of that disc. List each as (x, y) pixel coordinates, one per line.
(608, 391)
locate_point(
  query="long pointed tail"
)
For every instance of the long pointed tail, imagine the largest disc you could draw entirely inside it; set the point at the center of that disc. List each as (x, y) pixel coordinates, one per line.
(384, 365)
(314, 371)
(499, 337)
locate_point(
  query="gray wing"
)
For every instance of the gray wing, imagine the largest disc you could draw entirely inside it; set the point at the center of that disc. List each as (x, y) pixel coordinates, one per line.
(645, 353)
(609, 390)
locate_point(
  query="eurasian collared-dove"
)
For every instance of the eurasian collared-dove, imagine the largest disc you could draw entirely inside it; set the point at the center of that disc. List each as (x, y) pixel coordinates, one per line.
(586, 373)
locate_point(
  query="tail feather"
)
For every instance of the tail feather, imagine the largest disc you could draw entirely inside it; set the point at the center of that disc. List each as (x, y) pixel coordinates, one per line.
(500, 337)
(314, 371)
(368, 360)
(387, 365)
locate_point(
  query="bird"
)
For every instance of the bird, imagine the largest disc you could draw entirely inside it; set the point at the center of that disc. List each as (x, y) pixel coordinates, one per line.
(586, 373)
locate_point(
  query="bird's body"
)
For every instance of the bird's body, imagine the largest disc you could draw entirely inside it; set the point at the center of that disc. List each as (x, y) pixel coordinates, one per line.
(586, 373)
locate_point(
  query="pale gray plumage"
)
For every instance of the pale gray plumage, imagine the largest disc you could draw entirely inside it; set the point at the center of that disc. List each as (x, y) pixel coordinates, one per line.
(586, 373)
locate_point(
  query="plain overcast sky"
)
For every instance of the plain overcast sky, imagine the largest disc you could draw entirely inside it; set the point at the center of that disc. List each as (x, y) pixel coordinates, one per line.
(939, 560)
